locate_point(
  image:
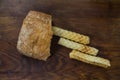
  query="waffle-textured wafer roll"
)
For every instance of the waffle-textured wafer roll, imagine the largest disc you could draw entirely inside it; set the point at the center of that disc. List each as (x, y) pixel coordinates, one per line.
(78, 46)
(71, 35)
(89, 59)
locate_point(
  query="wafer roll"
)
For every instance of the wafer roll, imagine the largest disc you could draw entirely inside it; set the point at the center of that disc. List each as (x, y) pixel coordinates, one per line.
(98, 61)
(77, 46)
(71, 35)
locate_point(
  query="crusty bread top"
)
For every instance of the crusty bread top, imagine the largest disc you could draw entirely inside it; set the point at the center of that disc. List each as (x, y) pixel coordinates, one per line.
(39, 15)
(35, 35)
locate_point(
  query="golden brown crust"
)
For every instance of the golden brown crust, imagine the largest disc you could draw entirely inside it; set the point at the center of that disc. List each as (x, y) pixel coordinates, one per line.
(35, 35)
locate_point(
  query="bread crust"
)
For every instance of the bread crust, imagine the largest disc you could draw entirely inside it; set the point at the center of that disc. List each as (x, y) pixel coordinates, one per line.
(35, 35)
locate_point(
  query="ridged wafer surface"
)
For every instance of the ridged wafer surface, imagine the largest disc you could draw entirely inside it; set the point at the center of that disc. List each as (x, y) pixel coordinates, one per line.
(71, 35)
(77, 46)
(89, 59)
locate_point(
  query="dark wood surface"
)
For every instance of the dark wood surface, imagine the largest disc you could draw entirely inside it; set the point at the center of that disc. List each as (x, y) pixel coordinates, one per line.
(99, 19)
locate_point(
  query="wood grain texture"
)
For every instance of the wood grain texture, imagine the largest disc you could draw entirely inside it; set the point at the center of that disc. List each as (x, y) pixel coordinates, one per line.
(99, 19)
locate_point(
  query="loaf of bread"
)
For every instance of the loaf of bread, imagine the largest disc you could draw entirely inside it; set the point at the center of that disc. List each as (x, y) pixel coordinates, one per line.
(35, 35)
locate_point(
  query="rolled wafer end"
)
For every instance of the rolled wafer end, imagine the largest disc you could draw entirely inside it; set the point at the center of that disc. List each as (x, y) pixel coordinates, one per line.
(92, 50)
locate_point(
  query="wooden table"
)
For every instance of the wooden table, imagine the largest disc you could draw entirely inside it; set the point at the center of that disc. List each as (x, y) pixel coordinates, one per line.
(98, 19)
